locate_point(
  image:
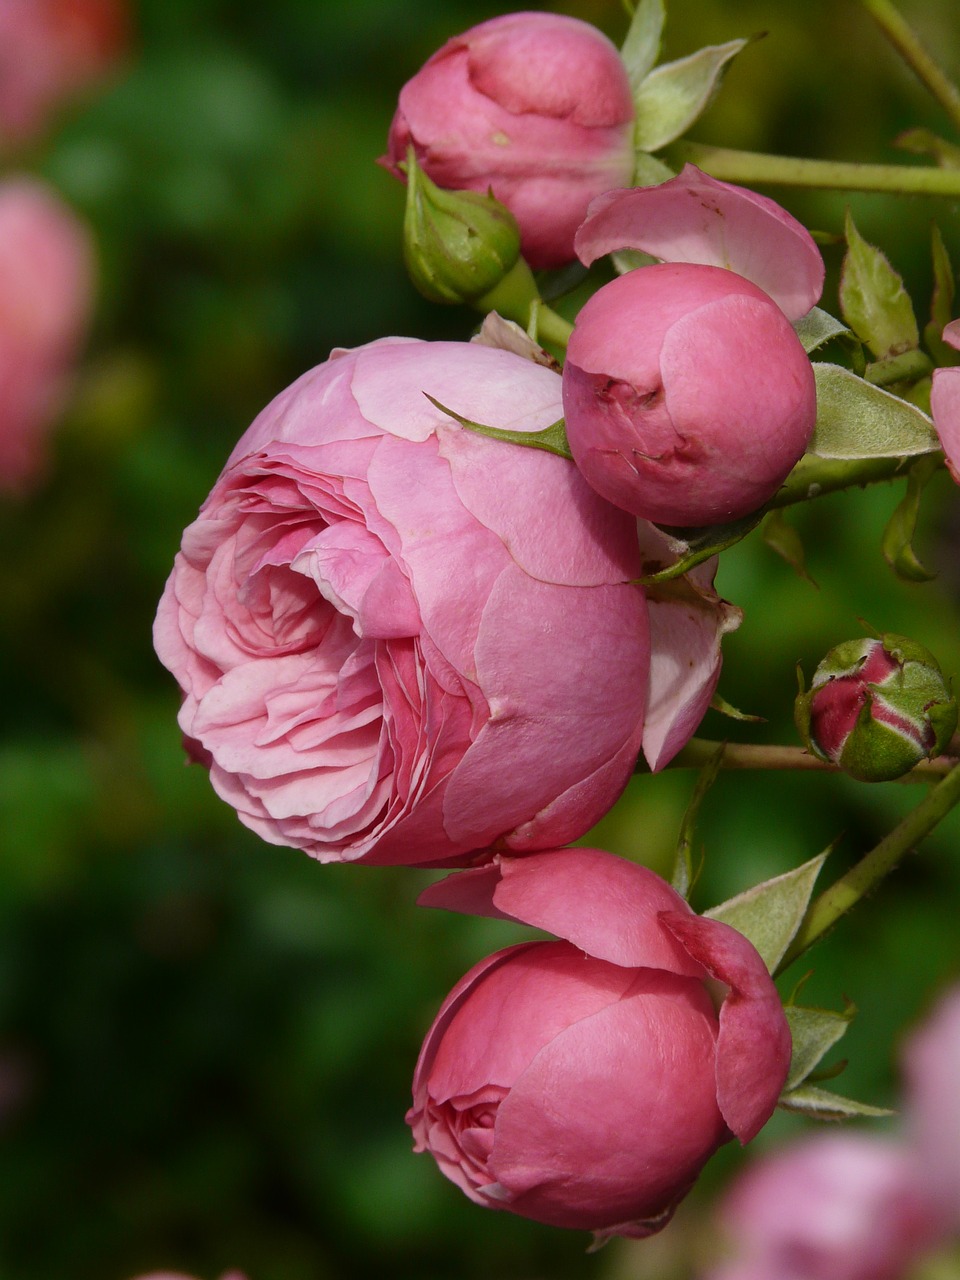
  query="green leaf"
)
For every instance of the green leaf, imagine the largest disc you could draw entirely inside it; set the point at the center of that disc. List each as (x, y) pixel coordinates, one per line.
(683, 874)
(820, 1104)
(694, 545)
(818, 327)
(769, 914)
(671, 98)
(724, 708)
(858, 420)
(552, 439)
(898, 536)
(814, 1033)
(641, 47)
(782, 537)
(873, 300)
(941, 306)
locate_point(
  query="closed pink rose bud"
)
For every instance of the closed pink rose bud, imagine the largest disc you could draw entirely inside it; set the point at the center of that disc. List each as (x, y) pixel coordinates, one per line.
(687, 395)
(536, 107)
(51, 50)
(46, 296)
(585, 1082)
(399, 640)
(836, 1206)
(932, 1106)
(876, 708)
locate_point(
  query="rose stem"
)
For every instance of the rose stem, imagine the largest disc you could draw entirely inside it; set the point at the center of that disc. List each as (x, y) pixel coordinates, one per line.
(824, 912)
(907, 43)
(755, 755)
(838, 175)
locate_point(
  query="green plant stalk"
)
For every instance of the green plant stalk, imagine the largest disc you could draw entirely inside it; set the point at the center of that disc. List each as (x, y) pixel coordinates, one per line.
(548, 325)
(907, 43)
(835, 175)
(844, 893)
(754, 755)
(517, 298)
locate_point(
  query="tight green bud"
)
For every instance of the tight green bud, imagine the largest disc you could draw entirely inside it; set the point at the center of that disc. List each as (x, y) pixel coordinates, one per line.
(876, 708)
(457, 245)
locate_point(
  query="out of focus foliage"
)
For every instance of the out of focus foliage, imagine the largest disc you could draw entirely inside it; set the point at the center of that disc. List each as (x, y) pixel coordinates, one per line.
(206, 1042)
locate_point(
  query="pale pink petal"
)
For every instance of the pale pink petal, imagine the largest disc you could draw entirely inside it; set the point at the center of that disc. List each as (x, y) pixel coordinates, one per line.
(753, 1050)
(695, 218)
(945, 409)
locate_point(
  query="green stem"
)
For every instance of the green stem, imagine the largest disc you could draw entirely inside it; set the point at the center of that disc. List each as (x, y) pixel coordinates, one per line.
(700, 752)
(548, 325)
(906, 42)
(838, 175)
(814, 477)
(870, 870)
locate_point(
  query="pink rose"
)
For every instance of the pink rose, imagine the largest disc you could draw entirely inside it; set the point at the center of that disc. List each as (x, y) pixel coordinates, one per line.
(49, 51)
(401, 641)
(945, 404)
(835, 1206)
(932, 1106)
(585, 1082)
(536, 107)
(688, 396)
(46, 295)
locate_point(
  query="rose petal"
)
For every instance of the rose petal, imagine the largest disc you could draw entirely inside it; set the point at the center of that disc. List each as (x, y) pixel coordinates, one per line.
(945, 409)
(753, 1050)
(695, 218)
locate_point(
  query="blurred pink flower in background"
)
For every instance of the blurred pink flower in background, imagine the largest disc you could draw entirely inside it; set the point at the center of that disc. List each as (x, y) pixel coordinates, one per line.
(585, 1082)
(47, 270)
(536, 107)
(50, 51)
(833, 1206)
(180, 1275)
(932, 1106)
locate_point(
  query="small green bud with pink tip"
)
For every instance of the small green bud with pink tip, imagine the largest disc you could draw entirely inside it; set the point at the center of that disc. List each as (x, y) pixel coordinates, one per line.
(876, 708)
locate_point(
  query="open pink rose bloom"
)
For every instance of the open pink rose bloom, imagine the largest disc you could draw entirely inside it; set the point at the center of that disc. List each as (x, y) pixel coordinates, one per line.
(46, 296)
(687, 395)
(584, 1083)
(536, 107)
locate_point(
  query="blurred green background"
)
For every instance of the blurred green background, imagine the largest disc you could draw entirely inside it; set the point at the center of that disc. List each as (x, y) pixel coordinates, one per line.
(205, 1042)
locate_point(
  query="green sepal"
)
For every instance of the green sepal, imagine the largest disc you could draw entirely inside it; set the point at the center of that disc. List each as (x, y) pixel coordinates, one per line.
(873, 300)
(856, 420)
(675, 94)
(552, 439)
(641, 45)
(684, 876)
(897, 544)
(781, 537)
(725, 708)
(648, 171)
(769, 914)
(694, 545)
(818, 327)
(821, 1104)
(814, 1032)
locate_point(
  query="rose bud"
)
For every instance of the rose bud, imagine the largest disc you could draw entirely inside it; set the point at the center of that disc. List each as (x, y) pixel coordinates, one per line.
(932, 1107)
(534, 107)
(46, 296)
(687, 395)
(876, 708)
(402, 641)
(585, 1082)
(457, 245)
(829, 1207)
(945, 404)
(50, 51)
